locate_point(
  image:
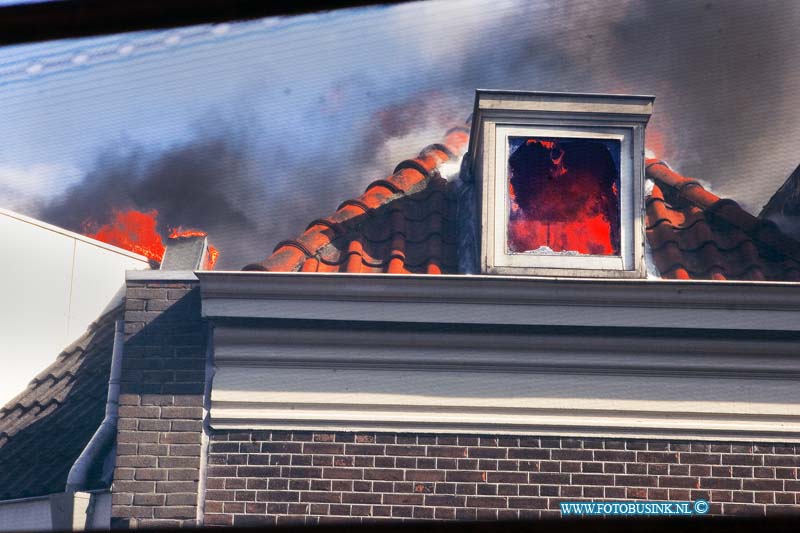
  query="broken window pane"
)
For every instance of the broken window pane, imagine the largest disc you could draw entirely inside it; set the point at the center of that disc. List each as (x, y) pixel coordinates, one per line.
(564, 196)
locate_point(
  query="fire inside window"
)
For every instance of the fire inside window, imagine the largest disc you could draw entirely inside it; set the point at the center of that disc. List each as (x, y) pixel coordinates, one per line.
(563, 196)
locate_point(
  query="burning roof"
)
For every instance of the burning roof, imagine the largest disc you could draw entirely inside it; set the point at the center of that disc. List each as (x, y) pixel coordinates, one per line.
(137, 231)
(406, 223)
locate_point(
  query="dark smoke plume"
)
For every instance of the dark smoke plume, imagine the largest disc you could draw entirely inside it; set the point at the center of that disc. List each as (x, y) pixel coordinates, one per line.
(725, 76)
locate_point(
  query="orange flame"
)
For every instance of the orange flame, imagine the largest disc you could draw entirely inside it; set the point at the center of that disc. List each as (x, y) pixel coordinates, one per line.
(136, 231)
(179, 233)
(132, 230)
(570, 209)
(213, 254)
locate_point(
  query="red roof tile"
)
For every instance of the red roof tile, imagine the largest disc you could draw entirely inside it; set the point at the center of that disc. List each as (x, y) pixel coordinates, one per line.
(401, 224)
(695, 234)
(406, 223)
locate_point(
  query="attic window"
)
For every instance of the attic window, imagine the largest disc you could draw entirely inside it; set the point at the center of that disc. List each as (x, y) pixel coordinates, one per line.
(563, 196)
(562, 183)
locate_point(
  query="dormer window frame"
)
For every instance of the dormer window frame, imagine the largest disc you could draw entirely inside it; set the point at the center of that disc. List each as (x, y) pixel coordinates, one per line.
(499, 115)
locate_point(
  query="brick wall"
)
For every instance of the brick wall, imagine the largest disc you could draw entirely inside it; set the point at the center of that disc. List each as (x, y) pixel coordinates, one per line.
(263, 477)
(160, 415)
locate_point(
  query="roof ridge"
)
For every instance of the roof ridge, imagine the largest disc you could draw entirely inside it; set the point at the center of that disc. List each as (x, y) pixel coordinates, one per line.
(409, 176)
(764, 232)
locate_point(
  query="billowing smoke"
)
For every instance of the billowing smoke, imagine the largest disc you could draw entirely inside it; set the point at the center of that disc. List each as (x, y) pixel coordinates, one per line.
(206, 183)
(725, 76)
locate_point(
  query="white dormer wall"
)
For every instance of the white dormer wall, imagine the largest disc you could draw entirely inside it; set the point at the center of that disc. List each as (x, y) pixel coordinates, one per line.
(54, 284)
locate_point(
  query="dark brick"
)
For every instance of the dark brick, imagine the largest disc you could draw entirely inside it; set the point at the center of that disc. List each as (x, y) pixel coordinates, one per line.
(364, 449)
(149, 499)
(440, 500)
(467, 476)
(246, 496)
(635, 468)
(167, 487)
(762, 484)
(342, 473)
(657, 457)
(571, 455)
(325, 448)
(384, 462)
(635, 480)
(406, 462)
(592, 479)
(764, 472)
(764, 497)
(614, 492)
(424, 488)
(134, 486)
(257, 471)
(410, 450)
(150, 474)
(593, 468)
(446, 451)
(700, 458)
(614, 455)
(527, 503)
(403, 499)
(384, 474)
(250, 520)
(782, 460)
(783, 510)
(445, 488)
(179, 498)
(271, 496)
(304, 472)
(184, 450)
(487, 453)
(507, 477)
(137, 437)
(446, 463)
(426, 475)
(720, 483)
(487, 501)
(679, 470)
(679, 482)
(444, 513)
(486, 490)
(361, 498)
(742, 459)
(549, 478)
(186, 425)
(182, 511)
(528, 453)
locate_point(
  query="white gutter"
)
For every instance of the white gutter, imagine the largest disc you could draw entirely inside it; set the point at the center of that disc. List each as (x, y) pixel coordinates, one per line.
(107, 431)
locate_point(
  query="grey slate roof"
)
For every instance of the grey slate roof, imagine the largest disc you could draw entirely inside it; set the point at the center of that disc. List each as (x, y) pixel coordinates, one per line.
(44, 429)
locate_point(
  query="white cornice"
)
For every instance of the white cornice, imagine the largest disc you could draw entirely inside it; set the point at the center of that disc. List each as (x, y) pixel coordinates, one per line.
(726, 305)
(425, 353)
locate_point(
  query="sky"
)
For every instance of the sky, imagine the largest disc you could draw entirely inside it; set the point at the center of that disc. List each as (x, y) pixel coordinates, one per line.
(251, 130)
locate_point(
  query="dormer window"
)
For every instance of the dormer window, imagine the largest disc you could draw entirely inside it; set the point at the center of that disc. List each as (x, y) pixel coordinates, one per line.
(561, 183)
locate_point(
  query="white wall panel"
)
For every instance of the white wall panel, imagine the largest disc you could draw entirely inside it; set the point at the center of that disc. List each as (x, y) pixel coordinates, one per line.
(30, 515)
(53, 284)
